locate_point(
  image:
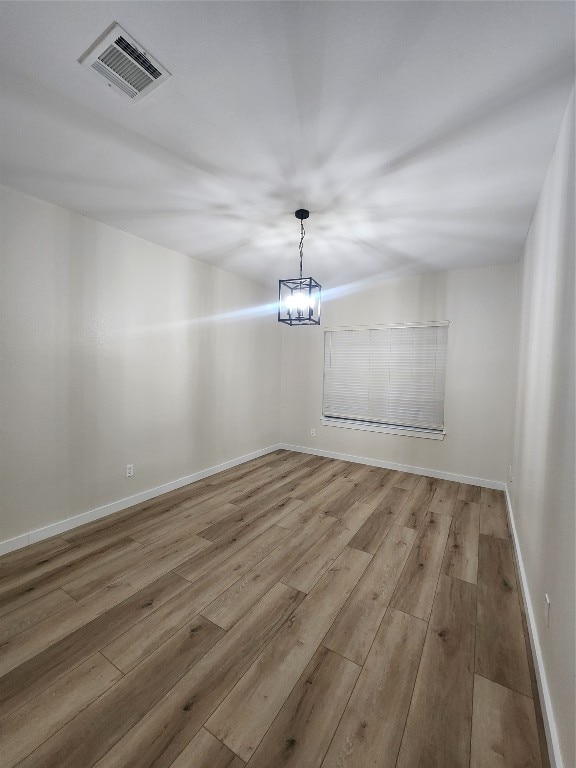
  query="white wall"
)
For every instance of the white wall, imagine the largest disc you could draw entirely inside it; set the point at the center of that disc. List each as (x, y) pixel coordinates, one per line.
(544, 466)
(481, 371)
(105, 361)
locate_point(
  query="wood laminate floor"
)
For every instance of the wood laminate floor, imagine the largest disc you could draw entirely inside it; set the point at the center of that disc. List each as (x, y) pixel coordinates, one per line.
(291, 611)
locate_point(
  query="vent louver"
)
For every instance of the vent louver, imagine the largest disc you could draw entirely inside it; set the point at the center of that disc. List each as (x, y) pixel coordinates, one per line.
(121, 60)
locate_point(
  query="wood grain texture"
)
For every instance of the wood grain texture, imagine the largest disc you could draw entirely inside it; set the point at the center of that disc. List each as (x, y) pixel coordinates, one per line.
(307, 571)
(12, 562)
(51, 661)
(500, 642)
(303, 729)
(414, 510)
(233, 603)
(469, 493)
(63, 561)
(354, 630)
(417, 586)
(244, 717)
(371, 728)
(104, 722)
(461, 556)
(504, 729)
(143, 638)
(199, 565)
(272, 511)
(205, 751)
(22, 590)
(407, 480)
(444, 498)
(183, 522)
(20, 619)
(53, 708)
(362, 483)
(122, 643)
(437, 733)
(150, 562)
(493, 517)
(160, 736)
(373, 532)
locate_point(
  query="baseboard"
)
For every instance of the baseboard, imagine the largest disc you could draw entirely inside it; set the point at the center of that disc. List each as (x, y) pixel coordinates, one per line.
(400, 467)
(9, 545)
(545, 699)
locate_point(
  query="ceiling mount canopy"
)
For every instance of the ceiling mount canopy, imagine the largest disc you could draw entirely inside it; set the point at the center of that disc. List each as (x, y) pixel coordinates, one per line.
(299, 297)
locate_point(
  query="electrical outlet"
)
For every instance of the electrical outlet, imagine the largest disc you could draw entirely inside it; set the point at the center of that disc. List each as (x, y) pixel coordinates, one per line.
(547, 609)
(312, 433)
(129, 470)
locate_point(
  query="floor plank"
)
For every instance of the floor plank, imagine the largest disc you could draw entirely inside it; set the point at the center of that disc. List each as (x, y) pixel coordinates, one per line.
(444, 498)
(407, 480)
(169, 726)
(171, 544)
(187, 520)
(232, 604)
(417, 586)
(320, 481)
(469, 493)
(375, 529)
(503, 728)
(140, 640)
(461, 556)
(246, 714)
(76, 642)
(354, 630)
(437, 733)
(109, 718)
(125, 642)
(269, 510)
(201, 563)
(307, 571)
(79, 560)
(414, 510)
(303, 729)
(205, 751)
(362, 485)
(493, 517)
(12, 562)
(53, 708)
(54, 562)
(371, 728)
(20, 619)
(500, 642)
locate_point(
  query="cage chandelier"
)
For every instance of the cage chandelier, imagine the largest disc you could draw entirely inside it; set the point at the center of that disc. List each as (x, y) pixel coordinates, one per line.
(299, 297)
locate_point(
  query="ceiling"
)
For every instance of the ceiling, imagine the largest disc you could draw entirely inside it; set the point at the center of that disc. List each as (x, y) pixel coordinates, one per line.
(417, 133)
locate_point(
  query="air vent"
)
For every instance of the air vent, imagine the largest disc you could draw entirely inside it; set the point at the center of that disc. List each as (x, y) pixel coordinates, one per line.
(125, 65)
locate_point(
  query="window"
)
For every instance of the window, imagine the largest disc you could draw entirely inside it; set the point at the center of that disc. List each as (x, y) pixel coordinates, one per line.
(387, 379)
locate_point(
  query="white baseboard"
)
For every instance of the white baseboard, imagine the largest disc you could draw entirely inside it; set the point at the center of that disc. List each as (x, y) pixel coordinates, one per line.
(108, 509)
(61, 526)
(554, 751)
(400, 467)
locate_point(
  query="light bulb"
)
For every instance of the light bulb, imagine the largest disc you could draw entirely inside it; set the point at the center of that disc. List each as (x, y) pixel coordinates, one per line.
(299, 302)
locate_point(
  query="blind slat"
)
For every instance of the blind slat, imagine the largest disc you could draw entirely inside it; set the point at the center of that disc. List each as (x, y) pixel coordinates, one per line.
(386, 376)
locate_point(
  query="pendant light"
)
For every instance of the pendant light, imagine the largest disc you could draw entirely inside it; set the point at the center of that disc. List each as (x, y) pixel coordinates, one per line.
(299, 297)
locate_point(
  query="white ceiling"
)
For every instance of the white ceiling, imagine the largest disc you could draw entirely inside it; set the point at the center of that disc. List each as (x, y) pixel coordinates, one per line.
(417, 133)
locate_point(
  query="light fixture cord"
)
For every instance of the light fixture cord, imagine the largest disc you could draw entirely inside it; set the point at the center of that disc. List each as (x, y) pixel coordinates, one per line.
(302, 233)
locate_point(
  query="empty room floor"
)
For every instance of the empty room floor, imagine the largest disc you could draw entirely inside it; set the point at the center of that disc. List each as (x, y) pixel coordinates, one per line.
(291, 611)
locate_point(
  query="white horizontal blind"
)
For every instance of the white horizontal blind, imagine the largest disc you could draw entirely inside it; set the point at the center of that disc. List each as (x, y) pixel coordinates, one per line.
(392, 375)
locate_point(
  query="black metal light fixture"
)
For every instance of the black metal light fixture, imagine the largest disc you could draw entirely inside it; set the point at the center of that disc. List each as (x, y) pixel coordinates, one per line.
(299, 297)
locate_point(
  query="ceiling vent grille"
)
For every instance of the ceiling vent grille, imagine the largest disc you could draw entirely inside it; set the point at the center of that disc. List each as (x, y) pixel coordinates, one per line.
(125, 65)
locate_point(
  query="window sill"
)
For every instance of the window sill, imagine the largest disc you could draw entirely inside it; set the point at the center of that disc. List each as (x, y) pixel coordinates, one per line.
(386, 428)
